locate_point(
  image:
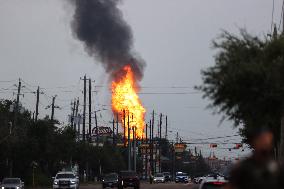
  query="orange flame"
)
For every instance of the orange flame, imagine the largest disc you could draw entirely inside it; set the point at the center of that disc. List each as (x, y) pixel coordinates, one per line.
(125, 98)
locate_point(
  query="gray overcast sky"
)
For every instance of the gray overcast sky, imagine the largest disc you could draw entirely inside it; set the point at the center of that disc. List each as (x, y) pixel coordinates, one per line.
(173, 36)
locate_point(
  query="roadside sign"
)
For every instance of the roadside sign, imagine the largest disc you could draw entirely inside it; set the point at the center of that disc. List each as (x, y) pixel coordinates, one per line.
(180, 147)
(102, 131)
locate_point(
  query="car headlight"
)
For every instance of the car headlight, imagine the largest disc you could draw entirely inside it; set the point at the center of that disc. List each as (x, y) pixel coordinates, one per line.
(55, 182)
(103, 180)
(17, 187)
(73, 182)
(2, 187)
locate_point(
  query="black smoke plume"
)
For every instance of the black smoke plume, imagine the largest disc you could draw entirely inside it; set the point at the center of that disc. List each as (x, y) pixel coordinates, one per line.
(99, 24)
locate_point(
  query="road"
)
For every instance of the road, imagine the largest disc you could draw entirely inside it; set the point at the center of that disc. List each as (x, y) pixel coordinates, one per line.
(151, 186)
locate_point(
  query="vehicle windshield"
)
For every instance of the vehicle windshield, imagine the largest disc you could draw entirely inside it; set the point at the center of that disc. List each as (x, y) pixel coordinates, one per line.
(214, 186)
(159, 175)
(181, 174)
(11, 181)
(127, 173)
(65, 175)
(110, 176)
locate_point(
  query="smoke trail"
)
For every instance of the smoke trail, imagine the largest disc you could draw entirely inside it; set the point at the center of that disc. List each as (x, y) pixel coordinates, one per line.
(99, 24)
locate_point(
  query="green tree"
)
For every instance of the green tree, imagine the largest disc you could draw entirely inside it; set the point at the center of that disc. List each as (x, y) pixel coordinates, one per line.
(246, 84)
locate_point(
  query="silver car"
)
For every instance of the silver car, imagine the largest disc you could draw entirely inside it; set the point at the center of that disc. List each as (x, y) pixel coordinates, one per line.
(66, 180)
(159, 178)
(12, 183)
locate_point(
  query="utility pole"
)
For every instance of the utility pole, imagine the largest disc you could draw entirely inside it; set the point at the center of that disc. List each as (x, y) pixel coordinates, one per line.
(97, 129)
(124, 128)
(84, 110)
(166, 135)
(17, 103)
(90, 110)
(134, 148)
(16, 110)
(161, 117)
(73, 107)
(129, 144)
(113, 131)
(52, 108)
(116, 125)
(76, 115)
(177, 138)
(160, 140)
(37, 102)
(146, 159)
(153, 118)
(151, 148)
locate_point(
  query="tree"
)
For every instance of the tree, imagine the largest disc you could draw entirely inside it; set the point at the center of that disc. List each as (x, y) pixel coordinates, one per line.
(246, 84)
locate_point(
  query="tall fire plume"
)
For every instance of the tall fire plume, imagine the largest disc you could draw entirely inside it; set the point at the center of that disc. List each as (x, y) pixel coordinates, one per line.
(106, 36)
(126, 103)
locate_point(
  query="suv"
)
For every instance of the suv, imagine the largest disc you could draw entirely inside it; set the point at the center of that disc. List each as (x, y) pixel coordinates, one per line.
(65, 180)
(128, 179)
(12, 183)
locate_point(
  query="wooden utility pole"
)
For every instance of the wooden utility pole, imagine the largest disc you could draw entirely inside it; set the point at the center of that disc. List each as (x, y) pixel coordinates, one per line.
(73, 107)
(113, 131)
(52, 108)
(166, 135)
(90, 110)
(117, 125)
(37, 103)
(151, 147)
(146, 157)
(129, 144)
(160, 140)
(97, 129)
(134, 148)
(84, 110)
(124, 128)
(16, 110)
(161, 117)
(76, 115)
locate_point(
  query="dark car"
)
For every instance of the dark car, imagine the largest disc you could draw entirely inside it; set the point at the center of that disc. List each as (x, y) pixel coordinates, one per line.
(168, 176)
(110, 180)
(128, 179)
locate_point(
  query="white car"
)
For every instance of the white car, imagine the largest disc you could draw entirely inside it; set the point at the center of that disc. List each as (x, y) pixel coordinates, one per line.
(65, 180)
(159, 178)
(210, 183)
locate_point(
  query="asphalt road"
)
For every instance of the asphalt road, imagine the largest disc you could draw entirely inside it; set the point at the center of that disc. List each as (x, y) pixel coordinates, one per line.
(151, 186)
